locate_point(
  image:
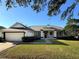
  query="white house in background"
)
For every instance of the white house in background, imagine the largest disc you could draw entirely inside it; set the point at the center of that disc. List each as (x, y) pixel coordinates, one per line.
(18, 30)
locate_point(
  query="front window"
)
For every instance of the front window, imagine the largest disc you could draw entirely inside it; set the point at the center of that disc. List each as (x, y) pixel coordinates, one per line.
(51, 33)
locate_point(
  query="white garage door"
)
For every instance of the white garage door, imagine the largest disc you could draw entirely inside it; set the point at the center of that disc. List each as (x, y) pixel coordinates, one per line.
(14, 36)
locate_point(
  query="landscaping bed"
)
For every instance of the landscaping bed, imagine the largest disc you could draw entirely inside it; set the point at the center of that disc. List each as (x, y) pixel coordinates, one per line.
(30, 39)
(69, 37)
(41, 40)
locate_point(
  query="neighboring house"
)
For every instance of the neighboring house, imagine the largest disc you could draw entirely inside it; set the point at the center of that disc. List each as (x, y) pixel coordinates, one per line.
(18, 30)
(1, 27)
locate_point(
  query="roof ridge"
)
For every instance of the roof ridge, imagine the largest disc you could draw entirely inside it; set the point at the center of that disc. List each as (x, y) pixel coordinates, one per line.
(45, 26)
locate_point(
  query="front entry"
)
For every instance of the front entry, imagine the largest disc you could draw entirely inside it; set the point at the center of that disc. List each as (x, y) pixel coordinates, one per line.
(48, 34)
(45, 34)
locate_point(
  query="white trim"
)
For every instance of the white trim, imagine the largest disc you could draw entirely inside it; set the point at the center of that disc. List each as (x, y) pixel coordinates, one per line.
(55, 33)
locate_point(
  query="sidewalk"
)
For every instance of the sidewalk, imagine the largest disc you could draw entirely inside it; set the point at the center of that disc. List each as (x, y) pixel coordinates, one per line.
(47, 41)
(5, 45)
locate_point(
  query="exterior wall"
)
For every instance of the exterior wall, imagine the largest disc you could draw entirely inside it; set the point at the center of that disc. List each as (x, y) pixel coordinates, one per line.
(1, 34)
(29, 33)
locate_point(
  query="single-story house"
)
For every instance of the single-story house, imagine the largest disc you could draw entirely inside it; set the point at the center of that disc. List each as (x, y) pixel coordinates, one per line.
(18, 30)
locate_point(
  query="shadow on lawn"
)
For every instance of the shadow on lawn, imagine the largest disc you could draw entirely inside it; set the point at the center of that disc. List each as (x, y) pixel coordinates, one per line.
(54, 42)
(70, 39)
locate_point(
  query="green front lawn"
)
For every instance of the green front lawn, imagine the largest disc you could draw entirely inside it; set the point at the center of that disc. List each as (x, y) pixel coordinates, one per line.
(59, 49)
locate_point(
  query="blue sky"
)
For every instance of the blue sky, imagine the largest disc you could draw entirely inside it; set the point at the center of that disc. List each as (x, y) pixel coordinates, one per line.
(28, 17)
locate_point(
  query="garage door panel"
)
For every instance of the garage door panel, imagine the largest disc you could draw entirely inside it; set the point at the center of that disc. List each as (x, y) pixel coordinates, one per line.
(14, 36)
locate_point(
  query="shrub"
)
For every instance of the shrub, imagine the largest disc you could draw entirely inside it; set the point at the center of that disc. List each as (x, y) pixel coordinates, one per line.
(30, 39)
(1, 39)
(68, 37)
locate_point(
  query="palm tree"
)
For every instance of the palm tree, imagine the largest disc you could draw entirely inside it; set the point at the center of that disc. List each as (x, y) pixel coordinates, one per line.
(72, 27)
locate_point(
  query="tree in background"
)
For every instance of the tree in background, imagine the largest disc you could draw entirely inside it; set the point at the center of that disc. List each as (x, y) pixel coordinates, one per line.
(53, 6)
(72, 27)
(1, 27)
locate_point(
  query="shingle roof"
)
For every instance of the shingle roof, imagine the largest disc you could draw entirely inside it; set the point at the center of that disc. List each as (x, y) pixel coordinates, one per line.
(38, 28)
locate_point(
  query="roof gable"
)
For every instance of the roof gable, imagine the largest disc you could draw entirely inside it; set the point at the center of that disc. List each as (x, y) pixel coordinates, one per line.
(18, 25)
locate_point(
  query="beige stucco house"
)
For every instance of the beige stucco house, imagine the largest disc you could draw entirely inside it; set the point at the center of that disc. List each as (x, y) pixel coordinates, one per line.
(18, 30)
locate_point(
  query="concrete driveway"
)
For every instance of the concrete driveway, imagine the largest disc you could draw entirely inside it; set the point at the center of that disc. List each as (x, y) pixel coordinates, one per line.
(5, 45)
